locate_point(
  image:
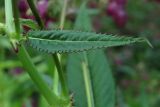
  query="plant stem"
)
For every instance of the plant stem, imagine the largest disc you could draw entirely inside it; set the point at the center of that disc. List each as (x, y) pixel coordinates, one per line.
(34, 10)
(55, 56)
(26, 60)
(55, 82)
(36, 77)
(63, 14)
(62, 20)
(62, 77)
(10, 27)
(87, 81)
(41, 25)
(16, 17)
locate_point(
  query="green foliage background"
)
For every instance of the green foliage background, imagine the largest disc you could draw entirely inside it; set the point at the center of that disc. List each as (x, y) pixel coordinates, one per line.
(135, 68)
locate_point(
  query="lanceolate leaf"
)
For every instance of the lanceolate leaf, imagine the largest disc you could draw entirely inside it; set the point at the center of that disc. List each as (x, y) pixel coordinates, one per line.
(66, 41)
(102, 83)
(62, 41)
(90, 79)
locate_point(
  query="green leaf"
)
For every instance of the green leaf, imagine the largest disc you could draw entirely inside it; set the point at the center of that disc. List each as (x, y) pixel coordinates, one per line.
(83, 21)
(29, 23)
(63, 41)
(102, 83)
(90, 79)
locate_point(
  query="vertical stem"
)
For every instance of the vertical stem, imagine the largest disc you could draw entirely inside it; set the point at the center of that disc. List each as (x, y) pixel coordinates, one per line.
(55, 82)
(9, 16)
(24, 56)
(63, 14)
(87, 81)
(55, 56)
(62, 20)
(16, 17)
(36, 77)
(40, 23)
(34, 10)
(62, 77)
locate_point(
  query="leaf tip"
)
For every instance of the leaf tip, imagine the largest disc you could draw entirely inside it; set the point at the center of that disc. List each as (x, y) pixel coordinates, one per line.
(148, 42)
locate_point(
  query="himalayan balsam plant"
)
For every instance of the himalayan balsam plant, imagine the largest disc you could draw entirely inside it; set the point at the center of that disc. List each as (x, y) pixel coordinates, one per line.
(88, 80)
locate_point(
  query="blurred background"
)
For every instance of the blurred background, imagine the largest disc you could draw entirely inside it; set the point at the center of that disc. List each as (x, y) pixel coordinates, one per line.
(136, 68)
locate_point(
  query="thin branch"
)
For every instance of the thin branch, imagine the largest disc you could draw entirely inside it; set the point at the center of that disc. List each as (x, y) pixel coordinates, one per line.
(55, 56)
(35, 12)
(63, 14)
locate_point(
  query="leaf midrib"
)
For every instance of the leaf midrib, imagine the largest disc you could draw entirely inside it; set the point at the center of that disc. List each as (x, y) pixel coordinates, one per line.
(50, 40)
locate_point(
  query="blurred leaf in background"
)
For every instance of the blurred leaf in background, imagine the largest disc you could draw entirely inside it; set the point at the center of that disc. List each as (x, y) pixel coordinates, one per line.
(89, 74)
